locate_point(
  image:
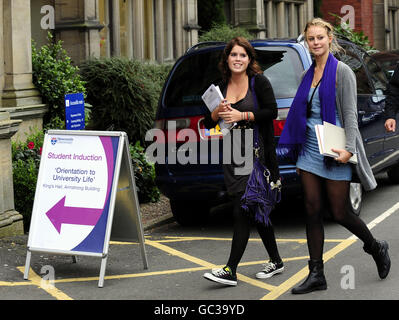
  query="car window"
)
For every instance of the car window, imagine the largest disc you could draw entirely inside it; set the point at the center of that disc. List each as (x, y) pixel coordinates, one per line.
(283, 67)
(352, 59)
(377, 75)
(191, 77)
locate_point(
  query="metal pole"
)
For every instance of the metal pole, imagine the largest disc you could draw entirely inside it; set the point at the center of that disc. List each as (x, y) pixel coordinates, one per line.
(27, 264)
(102, 271)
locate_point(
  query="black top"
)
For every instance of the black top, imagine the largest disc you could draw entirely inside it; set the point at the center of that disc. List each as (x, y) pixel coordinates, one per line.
(264, 119)
(392, 102)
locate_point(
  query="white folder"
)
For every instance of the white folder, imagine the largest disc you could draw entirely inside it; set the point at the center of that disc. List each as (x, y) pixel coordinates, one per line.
(330, 136)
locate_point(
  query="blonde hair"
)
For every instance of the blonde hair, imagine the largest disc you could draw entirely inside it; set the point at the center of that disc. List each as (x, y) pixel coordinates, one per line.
(318, 22)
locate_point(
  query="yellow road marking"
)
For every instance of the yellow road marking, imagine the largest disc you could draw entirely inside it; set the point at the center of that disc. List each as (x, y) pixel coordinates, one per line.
(133, 275)
(285, 286)
(50, 289)
(175, 239)
(180, 254)
(207, 264)
(292, 281)
(13, 284)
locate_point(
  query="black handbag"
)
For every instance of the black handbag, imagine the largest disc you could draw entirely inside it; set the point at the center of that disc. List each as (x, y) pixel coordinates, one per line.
(261, 194)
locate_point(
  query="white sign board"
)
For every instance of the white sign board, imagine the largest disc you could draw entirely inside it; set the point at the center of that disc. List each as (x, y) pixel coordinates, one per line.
(76, 192)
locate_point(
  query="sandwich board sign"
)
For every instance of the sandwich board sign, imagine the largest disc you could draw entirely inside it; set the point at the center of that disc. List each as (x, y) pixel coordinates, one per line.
(85, 194)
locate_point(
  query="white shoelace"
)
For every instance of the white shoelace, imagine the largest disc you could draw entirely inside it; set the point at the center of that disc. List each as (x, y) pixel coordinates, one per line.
(270, 266)
(219, 272)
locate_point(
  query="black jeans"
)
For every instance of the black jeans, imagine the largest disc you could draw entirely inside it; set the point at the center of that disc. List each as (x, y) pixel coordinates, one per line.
(242, 228)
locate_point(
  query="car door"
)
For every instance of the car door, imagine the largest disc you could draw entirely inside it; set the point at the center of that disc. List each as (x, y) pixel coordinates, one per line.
(370, 104)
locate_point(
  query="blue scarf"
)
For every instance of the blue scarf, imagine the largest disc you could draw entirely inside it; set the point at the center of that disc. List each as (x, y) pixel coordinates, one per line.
(294, 133)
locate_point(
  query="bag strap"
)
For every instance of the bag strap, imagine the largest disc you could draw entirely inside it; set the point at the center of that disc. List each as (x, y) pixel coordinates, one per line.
(309, 104)
(256, 128)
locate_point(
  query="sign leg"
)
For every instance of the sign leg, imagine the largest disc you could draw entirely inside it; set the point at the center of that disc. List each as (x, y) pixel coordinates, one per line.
(27, 264)
(102, 272)
(144, 254)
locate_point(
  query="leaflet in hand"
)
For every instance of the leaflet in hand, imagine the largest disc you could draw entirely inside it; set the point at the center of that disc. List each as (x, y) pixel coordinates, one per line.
(329, 137)
(212, 98)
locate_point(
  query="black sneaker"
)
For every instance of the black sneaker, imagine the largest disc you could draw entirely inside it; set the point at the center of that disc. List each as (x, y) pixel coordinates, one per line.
(223, 275)
(270, 269)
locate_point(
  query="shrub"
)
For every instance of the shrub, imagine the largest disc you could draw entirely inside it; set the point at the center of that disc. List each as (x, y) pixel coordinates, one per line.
(123, 94)
(54, 76)
(359, 38)
(25, 164)
(225, 33)
(144, 173)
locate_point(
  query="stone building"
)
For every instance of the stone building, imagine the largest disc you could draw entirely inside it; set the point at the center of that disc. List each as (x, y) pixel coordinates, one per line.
(378, 19)
(157, 30)
(19, 100)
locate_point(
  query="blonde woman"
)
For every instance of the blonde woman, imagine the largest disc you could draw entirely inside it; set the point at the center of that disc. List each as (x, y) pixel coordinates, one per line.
(328, 93)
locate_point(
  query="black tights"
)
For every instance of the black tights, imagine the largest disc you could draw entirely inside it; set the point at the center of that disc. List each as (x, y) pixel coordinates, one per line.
(337, 194)
(242, 228)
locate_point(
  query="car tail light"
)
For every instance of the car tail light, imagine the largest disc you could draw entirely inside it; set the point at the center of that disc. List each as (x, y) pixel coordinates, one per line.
(279, 123)
(172, 127)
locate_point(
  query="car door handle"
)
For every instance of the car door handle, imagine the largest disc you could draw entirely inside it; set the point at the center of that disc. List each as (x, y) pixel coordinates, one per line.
(361, 112)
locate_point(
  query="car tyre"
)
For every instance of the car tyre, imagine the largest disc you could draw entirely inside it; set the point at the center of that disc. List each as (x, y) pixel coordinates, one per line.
(188, 213)
(393, 174)
(355, 198)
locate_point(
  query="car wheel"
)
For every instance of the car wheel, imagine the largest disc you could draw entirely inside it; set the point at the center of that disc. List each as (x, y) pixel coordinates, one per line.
(393, 174)
(188, 213)
(355, 198)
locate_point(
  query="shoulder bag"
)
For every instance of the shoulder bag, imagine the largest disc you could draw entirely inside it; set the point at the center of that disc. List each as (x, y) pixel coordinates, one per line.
(261, 194)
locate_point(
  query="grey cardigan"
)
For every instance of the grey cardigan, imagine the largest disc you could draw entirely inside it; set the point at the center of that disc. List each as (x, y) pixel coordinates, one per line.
(346, 101)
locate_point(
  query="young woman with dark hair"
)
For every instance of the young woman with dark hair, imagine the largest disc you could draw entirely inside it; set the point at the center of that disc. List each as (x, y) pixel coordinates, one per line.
(238, 66)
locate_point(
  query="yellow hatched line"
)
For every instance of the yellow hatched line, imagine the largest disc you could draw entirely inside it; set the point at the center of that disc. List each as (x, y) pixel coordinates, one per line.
(207, 264)
(285, 286)
(176, 239)
(288, 284)
(34, 279)
(14, 284)
(133, 275)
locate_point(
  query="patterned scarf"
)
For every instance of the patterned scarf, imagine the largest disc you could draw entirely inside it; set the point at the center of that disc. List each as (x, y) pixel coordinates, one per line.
(294, 133)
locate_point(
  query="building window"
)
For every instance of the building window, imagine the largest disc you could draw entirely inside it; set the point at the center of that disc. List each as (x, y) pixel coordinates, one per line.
(168, 30)
(287, 11)
(104, 17)
(116, 36)
(393, 20)
(149, 30)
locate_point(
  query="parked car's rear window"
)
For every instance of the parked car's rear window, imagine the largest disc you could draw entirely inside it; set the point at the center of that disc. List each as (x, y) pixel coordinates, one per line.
(191, 78)
(281, 65)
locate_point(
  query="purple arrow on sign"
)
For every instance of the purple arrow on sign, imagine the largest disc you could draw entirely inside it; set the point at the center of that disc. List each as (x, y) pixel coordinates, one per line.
(60, 214)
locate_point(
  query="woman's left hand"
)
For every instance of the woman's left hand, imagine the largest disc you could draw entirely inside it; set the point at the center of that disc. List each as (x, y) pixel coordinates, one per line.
(343, 155)
(231, 115)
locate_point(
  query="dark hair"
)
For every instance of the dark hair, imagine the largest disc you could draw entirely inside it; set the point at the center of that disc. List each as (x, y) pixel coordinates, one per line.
(253, 66)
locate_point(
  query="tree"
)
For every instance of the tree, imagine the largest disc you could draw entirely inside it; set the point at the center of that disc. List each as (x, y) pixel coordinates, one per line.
(210, 12)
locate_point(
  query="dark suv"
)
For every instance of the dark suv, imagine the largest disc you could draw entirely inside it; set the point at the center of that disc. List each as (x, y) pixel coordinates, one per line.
(193, 188)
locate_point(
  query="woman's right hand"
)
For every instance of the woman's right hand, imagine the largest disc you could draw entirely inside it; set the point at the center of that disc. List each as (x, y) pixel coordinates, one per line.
(222, 107)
